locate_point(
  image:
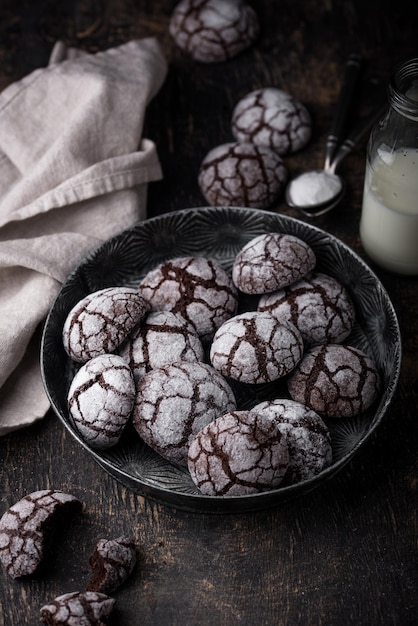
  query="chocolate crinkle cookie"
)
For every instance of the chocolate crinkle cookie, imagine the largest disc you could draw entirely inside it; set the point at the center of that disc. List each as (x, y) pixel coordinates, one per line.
(112, 562)
(335, 381)
(78, 609)
(197, 288)
(271, 117)
(237, 454)
(101, 398)
(242, 174)
(213, 30)
(270, 262)
(164, 337)
(101, 321)
(174, 402)
(307, 437)
(255, 347)
(28, 527)
(317, 304)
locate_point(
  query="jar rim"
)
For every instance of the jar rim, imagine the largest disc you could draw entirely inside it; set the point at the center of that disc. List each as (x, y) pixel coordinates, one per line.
(403, 83)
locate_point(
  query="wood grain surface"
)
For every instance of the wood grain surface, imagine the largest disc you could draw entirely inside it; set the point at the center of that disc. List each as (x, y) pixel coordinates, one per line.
(346, 554)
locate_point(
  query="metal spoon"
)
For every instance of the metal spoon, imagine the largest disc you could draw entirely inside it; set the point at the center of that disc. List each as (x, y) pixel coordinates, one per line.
(317, 192)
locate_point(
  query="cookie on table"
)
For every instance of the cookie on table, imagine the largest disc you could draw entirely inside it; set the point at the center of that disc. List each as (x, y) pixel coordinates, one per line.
(78, 608)
(163, 337)
(307, 437)
(27, 528)
(238, 454)
(335, 381)
(256, 347)
(213, 30)
(174, 402)
(101, 398)
(272, 117)
(197, 288)
(242, 174)
(270, 262)
(317, 304)
(101, 321)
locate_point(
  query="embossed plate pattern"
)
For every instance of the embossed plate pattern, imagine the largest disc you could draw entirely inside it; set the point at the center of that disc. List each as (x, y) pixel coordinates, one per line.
(219, 232)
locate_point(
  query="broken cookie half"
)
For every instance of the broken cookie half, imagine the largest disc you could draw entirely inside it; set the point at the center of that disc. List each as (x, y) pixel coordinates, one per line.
(27, 528)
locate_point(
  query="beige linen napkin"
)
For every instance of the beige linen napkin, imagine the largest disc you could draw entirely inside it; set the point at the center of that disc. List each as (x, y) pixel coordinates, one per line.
(74, 170)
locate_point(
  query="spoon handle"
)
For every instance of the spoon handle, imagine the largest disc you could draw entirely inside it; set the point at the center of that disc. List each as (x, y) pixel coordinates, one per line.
(351, 73)
(354, 137)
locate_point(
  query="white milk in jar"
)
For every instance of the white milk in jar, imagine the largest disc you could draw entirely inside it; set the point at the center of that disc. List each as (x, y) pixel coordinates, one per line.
(389, 217)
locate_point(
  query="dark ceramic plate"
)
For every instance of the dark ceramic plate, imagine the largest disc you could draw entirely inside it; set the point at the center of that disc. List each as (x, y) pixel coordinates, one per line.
(219, 232)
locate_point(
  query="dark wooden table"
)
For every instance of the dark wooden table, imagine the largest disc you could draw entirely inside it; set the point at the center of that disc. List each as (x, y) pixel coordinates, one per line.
(347, 552)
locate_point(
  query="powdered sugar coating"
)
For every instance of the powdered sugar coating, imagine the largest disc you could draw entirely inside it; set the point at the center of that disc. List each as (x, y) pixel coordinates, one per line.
(173, 403)
(271, 117)
(213, 30)
(78, 609)
(307, 437)
(335, 381)
(237, 454)
(24, 529)
(256, 347)
(112, 562)
(242, 174)
(317, 304)
(101, 321)
(270, 262)
(164, 337)
(101, 398)
(197, 288)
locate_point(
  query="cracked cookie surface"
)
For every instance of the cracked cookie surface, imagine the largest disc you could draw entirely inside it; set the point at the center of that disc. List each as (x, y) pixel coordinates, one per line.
(242, 174)
(271, 117)
(317, 304)
(213, 30)
(78, 609)
(239, 453)
(270, 262)
(174, 402)
(164, 337)
(307, 437)
(101, 398)
(199, 289)
(25, 529)
(101, 321)
(256, 347)
(335, 381)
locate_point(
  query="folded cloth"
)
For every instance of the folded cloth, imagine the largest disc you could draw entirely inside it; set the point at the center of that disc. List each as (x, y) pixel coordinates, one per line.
(74, 169)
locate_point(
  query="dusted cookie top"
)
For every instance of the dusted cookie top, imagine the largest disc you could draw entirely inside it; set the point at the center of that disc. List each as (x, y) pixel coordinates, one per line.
(213, 30)
(26, 529)
(78, 608)
(271, 117)
(101, 321)
(256, 347)
(164, 337)
(238, 454)
(100, 399)
(335, 381)
(307, 437)
(318, 305)
(242, 174)
(197, 288)
(175, 402)
(271, 261)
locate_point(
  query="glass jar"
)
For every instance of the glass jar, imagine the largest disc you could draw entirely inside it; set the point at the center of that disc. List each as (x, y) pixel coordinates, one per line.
(389, 217)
